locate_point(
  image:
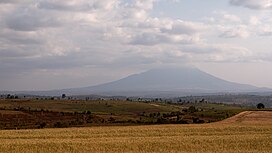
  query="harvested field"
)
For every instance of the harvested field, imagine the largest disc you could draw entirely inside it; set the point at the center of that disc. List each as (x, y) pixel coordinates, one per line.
(251, 117)
(237, 134)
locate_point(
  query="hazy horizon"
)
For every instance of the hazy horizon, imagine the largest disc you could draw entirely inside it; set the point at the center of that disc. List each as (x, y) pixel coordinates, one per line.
(48, 44)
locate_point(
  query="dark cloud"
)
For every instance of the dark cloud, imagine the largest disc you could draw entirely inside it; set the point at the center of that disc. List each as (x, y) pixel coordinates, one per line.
(30, 20)
(15, 48)
(266, 33)
(9, 1)
(150, 39)
(80, 5)
(63, 6)
(253, 4)
(16, 53)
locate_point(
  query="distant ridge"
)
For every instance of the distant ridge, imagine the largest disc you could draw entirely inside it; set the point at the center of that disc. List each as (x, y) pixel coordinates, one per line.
(163, 82)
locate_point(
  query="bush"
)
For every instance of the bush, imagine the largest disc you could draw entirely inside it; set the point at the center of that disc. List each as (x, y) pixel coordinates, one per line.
(197, 120)
(260, 106)
(42, 125)
(182, 122)
(192, 109)
(111, 119)
(60, 125)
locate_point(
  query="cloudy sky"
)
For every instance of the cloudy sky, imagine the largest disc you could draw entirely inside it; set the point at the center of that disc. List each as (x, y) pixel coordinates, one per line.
(50, 44)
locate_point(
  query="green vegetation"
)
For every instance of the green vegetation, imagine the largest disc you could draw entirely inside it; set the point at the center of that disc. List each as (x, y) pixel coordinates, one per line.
(242, 99)
(95, 106)
(33, 113)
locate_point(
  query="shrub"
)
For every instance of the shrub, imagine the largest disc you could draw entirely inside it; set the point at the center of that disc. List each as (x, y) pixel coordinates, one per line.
(42, 125)
(60, 125)
(260, 106)
(192, 109)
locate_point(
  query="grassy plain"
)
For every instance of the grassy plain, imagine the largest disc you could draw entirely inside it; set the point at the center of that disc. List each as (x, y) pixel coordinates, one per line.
(248, 132)
(95, 106)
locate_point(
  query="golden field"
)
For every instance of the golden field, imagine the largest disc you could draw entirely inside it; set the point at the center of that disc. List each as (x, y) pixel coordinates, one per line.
(248, 132)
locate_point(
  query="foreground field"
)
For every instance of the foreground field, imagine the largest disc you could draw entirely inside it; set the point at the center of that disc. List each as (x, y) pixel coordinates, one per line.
(242, 133)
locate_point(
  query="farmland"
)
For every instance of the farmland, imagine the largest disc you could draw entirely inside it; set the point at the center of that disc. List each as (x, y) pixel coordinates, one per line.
(32, 113)
(247, 132)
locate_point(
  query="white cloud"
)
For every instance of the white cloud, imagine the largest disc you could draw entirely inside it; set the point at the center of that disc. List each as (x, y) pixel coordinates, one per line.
(231, 18)
(144, 4)
(236, 32)
(184, 27)
(254, 20)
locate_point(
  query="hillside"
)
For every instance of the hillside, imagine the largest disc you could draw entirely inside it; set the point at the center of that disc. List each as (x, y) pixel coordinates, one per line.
(250, 117)
(166, 82)
(172, 79)
(162, 82)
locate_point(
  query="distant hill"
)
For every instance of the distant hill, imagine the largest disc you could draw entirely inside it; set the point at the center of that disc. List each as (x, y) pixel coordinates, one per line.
(172, 79)
(162, 82)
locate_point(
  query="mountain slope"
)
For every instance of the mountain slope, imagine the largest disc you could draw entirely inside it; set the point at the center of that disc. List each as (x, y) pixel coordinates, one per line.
(172, 79)
(176, 80)
(162, 82)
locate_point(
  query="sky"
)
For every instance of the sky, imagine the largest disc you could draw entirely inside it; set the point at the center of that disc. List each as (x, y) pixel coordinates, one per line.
(50, 44)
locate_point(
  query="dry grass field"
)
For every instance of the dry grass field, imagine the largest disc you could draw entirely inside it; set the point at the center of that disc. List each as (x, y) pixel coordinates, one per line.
(248, 132)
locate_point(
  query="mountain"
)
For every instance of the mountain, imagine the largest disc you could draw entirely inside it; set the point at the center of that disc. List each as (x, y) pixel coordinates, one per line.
(162, 82)
(172, 80)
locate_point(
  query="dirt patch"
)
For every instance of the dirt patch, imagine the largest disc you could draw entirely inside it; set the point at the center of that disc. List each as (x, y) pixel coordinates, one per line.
(156, 105)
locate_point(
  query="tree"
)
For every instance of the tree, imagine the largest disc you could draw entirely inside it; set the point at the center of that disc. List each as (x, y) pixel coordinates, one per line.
(63, 96)
(260, 106)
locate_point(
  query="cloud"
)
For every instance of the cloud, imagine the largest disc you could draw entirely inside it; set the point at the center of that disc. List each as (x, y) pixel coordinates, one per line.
(82, 35)
(253, 4)
(79, 5)
(150, 39)
(184, 27)
(231, 18)
(229, 53)
(235, 32)
(145, 4)
(99, 33)
(254, 20)
(33, 22)
(13, 1)
(265, 30)
(30, 19)
(204, 52)
(223, 17)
